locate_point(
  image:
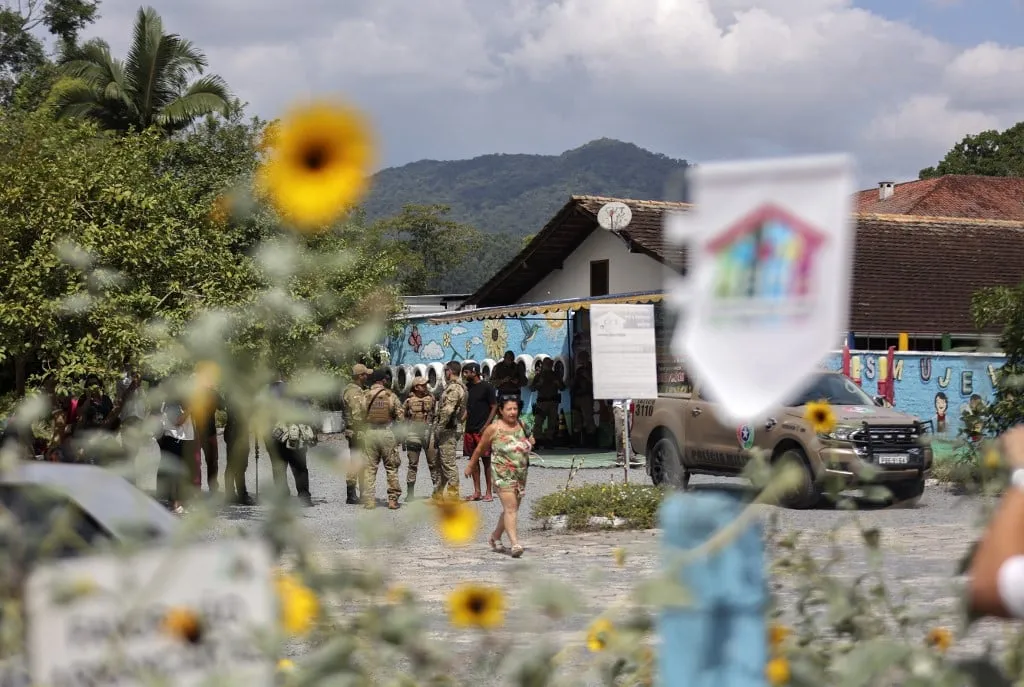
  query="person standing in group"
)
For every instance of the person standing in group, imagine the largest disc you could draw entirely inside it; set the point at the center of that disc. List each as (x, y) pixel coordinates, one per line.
(583, 398)
(352, 406)
(175, 440)
(419, 412)
(237, 438)
(507, 378)
(208, 401)
(287, 445)
(510, 448)
(383, 409)
(481, 405)
(450, 409)
(548, 386)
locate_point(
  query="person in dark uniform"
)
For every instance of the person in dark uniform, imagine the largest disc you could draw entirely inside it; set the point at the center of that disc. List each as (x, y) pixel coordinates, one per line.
(237, 438)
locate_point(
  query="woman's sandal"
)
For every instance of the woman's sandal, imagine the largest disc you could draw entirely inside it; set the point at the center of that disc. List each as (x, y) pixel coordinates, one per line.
(496, 545)
(517, 551)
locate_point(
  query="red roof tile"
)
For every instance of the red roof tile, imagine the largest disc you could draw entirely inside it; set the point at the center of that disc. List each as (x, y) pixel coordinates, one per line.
(952, 195)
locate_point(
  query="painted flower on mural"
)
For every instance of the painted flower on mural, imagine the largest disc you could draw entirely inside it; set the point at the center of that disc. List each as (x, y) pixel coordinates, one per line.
(556, 320)
(446, 340)
(495, 337)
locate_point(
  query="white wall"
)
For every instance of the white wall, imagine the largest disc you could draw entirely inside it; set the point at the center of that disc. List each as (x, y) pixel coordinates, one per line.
(627, 272)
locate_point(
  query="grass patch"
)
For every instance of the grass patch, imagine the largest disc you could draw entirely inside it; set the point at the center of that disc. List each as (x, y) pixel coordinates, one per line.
(637, 504)
(955, 464)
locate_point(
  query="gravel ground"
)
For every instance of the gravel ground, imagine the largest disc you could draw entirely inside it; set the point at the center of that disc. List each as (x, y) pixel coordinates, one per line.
(922, 545)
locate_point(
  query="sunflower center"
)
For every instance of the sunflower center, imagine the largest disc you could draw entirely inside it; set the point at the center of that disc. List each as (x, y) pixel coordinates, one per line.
(494, 335)
(315, 157)
(476, 604)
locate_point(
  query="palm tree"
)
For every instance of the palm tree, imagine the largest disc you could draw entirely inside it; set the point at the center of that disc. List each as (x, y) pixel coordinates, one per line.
(150, 87)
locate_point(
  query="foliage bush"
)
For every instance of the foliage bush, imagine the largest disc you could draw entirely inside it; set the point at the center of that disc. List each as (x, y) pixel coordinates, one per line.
(637, 504)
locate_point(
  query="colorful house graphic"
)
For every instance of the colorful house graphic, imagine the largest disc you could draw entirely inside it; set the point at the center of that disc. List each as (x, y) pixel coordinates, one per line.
(766, 259)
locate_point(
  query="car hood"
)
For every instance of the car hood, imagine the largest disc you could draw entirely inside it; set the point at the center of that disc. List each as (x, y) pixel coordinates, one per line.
(855, 415)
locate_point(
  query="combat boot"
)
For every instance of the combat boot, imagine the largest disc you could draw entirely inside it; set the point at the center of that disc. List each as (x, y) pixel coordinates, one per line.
(352, 497)
(393, 504)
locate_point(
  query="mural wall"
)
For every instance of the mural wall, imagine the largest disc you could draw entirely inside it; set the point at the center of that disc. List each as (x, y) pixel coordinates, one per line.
(486, 340)
(932, 386)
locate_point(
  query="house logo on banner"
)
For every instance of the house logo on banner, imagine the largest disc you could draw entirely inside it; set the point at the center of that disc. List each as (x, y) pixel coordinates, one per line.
(764, 268)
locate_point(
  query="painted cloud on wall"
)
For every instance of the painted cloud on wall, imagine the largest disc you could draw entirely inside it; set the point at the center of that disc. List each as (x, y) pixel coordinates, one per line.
(458, 329)
(432, 351)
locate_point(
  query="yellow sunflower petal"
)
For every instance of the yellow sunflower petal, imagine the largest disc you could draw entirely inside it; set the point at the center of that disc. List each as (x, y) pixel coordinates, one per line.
(940, 637)
(319, 164)
(472, 605)
(299, 605)
(777, 672)
(821, 417)
(777, 634)
(598, 634)
(993, 461)
(183, 624)
(457, 522)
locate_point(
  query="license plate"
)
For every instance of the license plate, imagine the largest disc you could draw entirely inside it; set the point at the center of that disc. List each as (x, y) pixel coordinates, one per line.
(892, 458)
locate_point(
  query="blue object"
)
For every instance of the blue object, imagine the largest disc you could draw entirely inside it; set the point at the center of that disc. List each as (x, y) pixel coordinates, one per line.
(720, 640)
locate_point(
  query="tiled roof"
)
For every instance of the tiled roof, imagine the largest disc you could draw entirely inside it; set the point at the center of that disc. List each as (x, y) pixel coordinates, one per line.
(918, 274)
(952, 195)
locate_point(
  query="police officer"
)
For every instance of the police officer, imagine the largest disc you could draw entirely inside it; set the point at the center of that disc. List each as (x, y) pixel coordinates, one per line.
(383, 409)
(450, 409)
(548, 386)
(419, 412)
(352, 406)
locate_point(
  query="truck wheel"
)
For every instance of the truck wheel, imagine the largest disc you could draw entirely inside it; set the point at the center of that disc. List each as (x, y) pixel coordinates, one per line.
(907, 492)
(808, 494)
(666, 467)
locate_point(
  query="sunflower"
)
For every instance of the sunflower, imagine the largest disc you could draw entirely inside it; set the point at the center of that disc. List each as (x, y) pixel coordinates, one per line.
(318, 165)
(446, 340)
(598, 634)
(556, 320)
(184, 624)
(285, 665)
(457, 522)
(821, 417)
(777, 672)
(992, 460)
(495, 337)
(299, 605)
(940, 638)
(777, 634)
(472, 605)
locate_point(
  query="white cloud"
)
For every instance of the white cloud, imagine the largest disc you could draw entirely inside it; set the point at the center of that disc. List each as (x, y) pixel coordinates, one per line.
(701, 79)
(458, 329)
(432, 351)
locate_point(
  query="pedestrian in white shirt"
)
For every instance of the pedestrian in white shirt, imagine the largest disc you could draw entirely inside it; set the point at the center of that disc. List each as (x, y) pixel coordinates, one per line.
(178, 434)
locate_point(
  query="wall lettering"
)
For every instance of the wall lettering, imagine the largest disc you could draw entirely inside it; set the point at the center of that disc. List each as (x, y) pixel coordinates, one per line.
(856, 368)
(869, 367)
(944, 379)
(966, 382)
(883, 369)
(926, 369)
(897, 372)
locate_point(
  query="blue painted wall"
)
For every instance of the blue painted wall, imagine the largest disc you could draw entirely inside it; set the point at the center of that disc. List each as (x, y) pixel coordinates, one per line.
(928, 384)
(421, 342)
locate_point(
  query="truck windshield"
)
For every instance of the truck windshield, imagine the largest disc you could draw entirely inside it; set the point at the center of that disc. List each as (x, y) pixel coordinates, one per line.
(834, 388)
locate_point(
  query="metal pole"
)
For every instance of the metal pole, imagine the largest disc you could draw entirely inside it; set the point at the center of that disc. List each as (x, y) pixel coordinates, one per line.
(256, 440)
(627, 449)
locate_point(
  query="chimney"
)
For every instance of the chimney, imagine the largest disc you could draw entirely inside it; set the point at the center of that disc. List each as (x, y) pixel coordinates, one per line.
(885, 190)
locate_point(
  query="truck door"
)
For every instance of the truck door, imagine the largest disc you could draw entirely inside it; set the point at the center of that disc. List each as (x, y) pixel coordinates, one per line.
(709, 443)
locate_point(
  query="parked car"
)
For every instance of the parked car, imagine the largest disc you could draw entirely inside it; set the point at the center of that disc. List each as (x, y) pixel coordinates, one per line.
(681, 435)
(100, 507)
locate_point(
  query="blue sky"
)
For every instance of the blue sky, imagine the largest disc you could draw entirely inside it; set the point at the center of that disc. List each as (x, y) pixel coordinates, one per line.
(960, 22)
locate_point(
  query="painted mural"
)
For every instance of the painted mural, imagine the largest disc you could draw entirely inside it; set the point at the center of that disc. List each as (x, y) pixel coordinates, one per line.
(536, 335)
(933, 386)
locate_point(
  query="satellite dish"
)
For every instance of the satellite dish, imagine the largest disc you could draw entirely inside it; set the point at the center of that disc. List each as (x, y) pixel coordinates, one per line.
(614, 216)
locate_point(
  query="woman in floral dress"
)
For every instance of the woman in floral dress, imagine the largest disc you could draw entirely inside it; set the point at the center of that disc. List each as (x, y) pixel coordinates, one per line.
(510, 449)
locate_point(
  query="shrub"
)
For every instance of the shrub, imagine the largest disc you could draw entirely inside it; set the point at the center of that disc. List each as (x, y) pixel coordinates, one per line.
(637, 504)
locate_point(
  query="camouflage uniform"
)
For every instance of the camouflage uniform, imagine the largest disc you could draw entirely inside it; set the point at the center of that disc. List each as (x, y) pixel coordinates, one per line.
(383, 409)
(352, 406)
(419, 411)
(446, 435)
(548, 386)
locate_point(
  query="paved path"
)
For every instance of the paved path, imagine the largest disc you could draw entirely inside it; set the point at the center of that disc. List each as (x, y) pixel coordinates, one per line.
(922, 546)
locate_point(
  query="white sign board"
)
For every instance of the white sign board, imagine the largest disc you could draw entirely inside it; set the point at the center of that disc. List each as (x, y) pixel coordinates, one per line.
(771, 245)
(115, 636)
(622, 351)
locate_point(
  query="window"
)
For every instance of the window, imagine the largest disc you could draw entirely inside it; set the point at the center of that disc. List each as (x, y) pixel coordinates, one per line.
(598, 278)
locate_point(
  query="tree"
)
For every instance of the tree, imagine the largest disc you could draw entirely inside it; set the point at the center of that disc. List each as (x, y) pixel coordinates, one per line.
(150, 250)
(150, 87)
(989, 153)
(1003, 306)
(428, 244)
(22, 52)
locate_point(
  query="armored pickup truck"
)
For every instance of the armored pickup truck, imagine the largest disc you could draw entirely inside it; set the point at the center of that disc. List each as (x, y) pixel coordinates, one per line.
(681, 435)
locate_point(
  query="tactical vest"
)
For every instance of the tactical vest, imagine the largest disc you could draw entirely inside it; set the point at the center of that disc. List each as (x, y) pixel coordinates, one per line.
(420, 409)
(379, 411)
